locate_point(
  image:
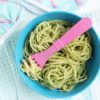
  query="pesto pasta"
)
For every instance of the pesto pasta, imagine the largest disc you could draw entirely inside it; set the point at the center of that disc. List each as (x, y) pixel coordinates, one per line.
(65, 68)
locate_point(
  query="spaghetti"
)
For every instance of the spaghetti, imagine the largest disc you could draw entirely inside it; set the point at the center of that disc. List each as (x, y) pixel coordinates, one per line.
(65, 68)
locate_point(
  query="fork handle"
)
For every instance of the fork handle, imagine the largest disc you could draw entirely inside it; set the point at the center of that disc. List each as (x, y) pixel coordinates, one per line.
(78, 29)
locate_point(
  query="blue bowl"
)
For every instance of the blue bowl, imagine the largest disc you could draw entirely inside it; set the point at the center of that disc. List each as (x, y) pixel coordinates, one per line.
(92, 65)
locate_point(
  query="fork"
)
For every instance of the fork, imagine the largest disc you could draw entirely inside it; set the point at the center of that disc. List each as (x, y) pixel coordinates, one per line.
(78, 29)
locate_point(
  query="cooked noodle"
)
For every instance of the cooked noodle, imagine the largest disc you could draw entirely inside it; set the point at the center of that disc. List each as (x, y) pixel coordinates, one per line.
(65, 68)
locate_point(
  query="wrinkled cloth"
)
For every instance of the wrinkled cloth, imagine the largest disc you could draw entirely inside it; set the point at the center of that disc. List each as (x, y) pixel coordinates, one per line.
(9, 15)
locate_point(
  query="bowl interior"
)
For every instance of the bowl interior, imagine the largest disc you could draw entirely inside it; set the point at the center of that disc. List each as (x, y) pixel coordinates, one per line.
(92, 65)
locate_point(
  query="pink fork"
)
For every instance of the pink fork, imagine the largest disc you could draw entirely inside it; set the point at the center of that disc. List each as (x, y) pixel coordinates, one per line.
(78, 29)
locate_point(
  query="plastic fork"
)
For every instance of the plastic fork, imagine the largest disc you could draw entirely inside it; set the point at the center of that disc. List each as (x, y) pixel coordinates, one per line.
(78, 29)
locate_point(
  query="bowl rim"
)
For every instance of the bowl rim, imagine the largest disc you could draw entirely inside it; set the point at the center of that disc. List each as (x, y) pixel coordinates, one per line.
(28, 84)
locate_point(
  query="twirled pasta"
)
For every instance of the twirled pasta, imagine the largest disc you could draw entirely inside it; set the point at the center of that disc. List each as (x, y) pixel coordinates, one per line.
(65, 68)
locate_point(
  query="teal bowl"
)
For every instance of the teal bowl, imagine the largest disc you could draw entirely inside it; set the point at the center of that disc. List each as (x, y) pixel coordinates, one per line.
(92, 65)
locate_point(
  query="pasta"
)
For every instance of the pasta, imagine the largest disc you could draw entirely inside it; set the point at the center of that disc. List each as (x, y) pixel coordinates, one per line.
(65, 68)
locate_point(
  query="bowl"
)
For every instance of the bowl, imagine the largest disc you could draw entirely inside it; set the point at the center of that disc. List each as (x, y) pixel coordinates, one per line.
(92, 65)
